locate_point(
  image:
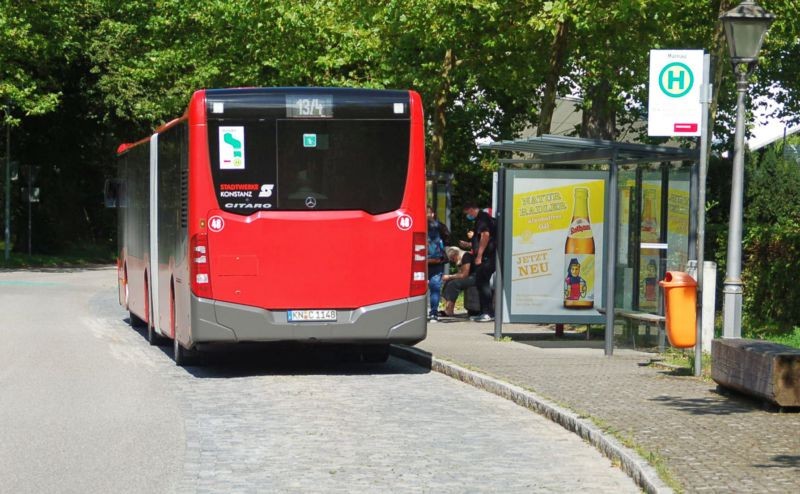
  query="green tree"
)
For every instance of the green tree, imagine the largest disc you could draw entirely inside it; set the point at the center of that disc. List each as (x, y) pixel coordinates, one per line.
(44, 83)
(771, 250)
(778, 71)
(27, 49)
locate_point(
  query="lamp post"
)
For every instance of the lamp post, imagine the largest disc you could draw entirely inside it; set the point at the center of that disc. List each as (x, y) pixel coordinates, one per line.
(7, 182)
(745, 27)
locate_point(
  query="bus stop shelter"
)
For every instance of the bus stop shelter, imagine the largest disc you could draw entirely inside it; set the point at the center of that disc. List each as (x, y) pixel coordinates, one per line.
(640, 203)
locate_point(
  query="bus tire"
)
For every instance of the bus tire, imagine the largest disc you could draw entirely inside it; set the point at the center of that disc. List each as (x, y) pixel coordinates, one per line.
(152, 337)
(375, 354)
(181, 355)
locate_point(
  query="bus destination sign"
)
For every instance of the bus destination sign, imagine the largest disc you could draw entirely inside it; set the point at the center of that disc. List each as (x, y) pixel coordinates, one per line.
(302, 106)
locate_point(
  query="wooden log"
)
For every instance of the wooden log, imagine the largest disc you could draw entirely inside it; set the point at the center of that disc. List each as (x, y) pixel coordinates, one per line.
(759, 368)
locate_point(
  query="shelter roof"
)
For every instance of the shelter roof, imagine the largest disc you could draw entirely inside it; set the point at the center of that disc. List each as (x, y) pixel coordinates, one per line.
(552, 149)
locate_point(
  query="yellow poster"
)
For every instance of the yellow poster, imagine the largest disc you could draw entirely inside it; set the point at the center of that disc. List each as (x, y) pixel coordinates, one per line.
(650, 259)
(557, 229)
(678, 225)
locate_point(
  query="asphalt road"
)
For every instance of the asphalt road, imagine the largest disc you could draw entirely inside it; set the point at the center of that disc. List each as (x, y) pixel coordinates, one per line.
(86, 405)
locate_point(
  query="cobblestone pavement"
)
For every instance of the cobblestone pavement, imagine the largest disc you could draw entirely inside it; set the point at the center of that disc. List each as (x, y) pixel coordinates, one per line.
(259, 421)
(384, 428)
(707, 441)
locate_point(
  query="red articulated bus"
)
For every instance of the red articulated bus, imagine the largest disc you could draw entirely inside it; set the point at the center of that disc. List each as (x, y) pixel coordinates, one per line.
(278, 214)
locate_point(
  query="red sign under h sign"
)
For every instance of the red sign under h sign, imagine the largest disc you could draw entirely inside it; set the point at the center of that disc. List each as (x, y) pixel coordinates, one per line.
(685, 127)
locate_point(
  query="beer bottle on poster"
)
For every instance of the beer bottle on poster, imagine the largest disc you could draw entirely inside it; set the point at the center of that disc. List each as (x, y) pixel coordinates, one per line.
(648, 273)
(579, 256)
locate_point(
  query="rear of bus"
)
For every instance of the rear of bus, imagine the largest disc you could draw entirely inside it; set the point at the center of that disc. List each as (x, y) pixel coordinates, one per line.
(306, 216)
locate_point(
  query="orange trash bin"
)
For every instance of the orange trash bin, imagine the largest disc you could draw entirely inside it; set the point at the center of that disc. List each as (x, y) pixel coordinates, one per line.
(680, 302)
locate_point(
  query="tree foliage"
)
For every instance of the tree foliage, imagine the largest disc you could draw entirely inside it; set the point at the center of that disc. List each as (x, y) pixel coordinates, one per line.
(771, 249)
(79, 76)
(33, 38)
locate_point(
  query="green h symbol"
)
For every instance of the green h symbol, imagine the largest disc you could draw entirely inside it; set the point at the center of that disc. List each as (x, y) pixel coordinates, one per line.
(672, 78)
(676, 74)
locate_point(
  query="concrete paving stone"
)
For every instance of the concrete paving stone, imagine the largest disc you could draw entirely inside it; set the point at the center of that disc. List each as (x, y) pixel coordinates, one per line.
(700, 435)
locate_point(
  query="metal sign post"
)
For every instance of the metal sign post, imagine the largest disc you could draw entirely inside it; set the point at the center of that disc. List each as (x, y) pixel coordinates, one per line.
(705, 100)
(611, 259)
(8, 190)
(499, 212)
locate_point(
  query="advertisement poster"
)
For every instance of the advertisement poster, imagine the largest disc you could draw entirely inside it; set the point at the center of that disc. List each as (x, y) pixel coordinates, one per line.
(555, 267)
(624, 205)
(650, 257)
(678, 224)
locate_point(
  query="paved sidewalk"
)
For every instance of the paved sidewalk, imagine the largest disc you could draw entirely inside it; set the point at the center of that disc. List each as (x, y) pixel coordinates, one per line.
(707, 442)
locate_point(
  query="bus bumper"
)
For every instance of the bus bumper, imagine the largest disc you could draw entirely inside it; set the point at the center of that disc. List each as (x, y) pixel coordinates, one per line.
(401, 321)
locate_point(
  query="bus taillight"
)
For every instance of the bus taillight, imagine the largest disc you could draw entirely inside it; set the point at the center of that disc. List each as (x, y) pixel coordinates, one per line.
(419, 264)
(200, 269)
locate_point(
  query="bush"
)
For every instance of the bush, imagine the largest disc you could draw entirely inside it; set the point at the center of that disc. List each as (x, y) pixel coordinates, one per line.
(771, 250)
(772, 261)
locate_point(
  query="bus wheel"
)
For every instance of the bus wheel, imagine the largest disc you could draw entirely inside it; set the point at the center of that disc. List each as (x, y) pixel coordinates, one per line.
(375, 354)
(180, 354)
(183, 356)
(152, 337)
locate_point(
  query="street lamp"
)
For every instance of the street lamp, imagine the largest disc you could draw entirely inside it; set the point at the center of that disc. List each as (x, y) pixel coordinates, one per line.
(745, 27)
(7, 182)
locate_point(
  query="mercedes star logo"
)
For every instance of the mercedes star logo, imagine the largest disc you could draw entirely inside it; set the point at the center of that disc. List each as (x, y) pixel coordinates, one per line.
(311, 202)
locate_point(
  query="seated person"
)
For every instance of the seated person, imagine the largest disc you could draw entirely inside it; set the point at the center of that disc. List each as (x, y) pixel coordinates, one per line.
(461, 280)
(467, 244)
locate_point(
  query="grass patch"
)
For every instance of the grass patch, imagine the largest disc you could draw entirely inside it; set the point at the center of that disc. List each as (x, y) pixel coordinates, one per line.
(775, 334)
(789, 339)
(684, 359)
(653, 458)
(83, 258)
(595, 331)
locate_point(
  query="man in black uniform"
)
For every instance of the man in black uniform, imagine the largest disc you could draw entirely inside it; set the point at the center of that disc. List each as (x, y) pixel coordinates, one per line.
(483, 248)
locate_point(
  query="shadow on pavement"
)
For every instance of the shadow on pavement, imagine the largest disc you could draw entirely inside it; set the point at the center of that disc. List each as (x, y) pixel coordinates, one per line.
(783, 461)
(222, 361)
(570, 339)
(254, 359)
(708, 406)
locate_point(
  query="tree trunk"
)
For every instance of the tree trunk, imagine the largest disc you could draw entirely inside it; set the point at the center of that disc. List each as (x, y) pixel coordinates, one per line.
(558, 51)
(599, 119)
(439, 113)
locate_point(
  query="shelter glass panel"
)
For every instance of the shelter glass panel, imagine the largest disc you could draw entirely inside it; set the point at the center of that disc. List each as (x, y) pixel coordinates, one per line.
(678, 219)
(652, 248)
(627, 239)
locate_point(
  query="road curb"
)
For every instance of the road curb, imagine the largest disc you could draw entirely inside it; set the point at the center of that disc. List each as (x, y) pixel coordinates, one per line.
(630, 462)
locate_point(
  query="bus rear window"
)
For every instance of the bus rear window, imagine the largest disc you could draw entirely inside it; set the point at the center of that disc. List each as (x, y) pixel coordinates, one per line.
(309, 164)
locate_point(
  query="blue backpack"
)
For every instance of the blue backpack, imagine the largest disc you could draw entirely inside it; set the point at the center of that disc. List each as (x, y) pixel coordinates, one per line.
(435, 244)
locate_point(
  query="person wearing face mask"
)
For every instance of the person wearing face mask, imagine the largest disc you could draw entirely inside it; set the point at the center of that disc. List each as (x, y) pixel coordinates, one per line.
(483, 247)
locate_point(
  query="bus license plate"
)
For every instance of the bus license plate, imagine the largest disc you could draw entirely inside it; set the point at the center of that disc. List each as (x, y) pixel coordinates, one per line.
(311, 315)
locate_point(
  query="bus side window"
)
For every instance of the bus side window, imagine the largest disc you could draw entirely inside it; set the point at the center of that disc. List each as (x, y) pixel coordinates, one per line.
(113, 192)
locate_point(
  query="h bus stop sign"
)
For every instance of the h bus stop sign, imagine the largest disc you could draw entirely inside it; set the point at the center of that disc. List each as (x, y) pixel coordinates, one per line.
(674, 107)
